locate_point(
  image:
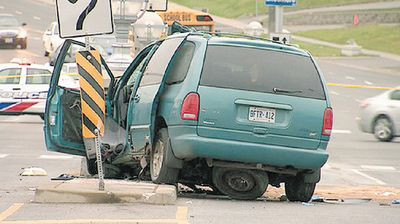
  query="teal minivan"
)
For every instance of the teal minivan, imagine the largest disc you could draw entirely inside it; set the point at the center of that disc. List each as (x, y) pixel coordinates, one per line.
(233, 114)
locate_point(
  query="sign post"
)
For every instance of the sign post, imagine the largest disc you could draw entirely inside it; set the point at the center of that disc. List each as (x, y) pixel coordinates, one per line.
(93, 102)
(276, 18)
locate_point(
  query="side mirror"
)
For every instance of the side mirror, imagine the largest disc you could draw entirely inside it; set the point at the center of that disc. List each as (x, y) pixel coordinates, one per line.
(24, 24)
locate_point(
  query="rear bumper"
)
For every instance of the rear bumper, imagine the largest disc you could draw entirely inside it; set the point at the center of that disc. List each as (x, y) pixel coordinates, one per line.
(186, 144)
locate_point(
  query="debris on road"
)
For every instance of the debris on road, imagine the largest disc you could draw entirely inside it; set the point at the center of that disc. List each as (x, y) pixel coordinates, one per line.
(33, 171)
(64, 177)
(307, 204)
(347, 195)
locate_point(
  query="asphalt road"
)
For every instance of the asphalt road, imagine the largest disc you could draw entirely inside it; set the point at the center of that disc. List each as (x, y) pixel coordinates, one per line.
(356, 159)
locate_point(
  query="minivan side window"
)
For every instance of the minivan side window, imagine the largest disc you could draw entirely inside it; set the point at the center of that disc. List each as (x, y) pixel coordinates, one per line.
(395, 95)
(261, 70)
(159, 62)
(180, 63)
(10, 76)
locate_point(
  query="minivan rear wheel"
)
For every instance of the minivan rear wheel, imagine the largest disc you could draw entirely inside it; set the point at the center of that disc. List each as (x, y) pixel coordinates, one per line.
(383, 130)
(241, 184)
(160, 173)
(297, 190)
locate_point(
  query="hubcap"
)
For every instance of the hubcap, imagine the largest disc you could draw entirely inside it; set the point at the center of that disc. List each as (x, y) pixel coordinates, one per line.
(239, 181)
(382, 129)
(158, 156)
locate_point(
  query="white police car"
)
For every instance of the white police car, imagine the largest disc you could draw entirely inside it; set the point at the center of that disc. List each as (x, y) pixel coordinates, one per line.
(24, 87)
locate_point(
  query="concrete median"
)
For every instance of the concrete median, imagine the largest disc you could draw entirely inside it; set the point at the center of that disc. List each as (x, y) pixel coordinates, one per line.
(116, 191)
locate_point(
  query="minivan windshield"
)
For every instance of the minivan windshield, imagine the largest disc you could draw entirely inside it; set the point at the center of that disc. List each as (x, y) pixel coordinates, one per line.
(261, 70)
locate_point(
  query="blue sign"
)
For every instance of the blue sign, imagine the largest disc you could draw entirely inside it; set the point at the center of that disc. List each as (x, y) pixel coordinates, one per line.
(290, 3)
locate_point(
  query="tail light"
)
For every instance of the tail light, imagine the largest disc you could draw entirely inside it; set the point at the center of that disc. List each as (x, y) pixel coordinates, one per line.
(364, 104)
(191, 107)
(328, 122)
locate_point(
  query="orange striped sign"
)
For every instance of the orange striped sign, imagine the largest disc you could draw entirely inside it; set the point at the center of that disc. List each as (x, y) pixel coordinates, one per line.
(92, 93)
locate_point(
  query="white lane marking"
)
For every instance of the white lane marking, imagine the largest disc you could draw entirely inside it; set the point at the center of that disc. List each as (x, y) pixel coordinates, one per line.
(341, 131)
(37, 18)
(18, 12)
(368, 82)
(335, 93)
(3, 156)
(350, 78)
(380, 168)
(377, 181)
(54, 157)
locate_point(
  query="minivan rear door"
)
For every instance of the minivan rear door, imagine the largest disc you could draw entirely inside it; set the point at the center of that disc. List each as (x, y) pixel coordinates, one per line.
(261, 96)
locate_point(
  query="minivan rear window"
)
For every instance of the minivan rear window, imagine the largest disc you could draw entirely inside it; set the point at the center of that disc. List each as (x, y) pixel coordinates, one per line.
(261, 70)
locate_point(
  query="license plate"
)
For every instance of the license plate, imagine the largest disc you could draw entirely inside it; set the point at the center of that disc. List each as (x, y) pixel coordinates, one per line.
(260, 114)
(8, 40)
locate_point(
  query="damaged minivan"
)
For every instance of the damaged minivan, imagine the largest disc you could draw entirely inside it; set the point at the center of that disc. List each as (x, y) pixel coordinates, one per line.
(232, 114)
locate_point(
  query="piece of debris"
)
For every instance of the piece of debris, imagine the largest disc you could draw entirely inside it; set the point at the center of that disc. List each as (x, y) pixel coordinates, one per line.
(33, 171)
(63, 177)
(396, 202)
(283, 198)
(316, 198)
(189, 202)
(388, 194)
(32, 188)
(307, 204)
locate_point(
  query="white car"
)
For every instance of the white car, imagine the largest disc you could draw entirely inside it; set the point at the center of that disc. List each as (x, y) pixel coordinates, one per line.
(380, 115)
(51, 39)
(23, 88)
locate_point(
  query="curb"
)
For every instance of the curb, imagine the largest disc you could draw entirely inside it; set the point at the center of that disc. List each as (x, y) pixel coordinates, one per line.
(118, 192)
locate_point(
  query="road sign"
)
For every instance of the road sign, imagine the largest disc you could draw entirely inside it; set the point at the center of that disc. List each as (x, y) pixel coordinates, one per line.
(78, 18)
(290, 3)
(92, 93)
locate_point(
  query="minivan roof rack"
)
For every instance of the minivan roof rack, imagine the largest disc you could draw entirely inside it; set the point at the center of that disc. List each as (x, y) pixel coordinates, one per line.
(178, 27)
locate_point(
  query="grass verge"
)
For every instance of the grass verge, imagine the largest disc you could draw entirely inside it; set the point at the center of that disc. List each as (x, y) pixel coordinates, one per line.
(374, 37)
(236, 8)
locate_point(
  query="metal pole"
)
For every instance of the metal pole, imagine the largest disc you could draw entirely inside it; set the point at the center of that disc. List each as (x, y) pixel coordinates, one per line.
(278, 19)
(87, 43)
(99, 161)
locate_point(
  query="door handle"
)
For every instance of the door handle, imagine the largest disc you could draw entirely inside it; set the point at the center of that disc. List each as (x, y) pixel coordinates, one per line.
(16, 88)
(136, 98)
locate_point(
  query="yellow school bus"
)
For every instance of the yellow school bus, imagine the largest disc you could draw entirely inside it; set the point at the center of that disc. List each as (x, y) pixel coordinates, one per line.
(199, 20)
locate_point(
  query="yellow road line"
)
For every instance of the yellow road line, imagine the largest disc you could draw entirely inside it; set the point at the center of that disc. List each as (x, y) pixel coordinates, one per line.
(360, 86)
(10, 211)
(182, 215)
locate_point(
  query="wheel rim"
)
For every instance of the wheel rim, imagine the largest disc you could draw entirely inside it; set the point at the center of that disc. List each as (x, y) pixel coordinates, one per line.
(158, 156)
(383, 129)
(239, 181)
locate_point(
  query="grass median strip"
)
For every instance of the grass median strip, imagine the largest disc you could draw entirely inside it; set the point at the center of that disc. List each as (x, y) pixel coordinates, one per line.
(234, 8)
(384, 38)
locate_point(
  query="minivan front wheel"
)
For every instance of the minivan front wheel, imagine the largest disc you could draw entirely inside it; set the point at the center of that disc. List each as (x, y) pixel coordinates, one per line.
(241, 184)
(297, 190)
(160, 173)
